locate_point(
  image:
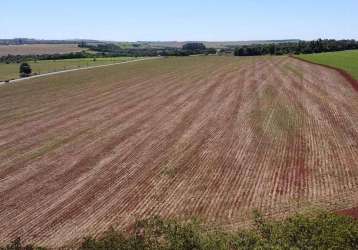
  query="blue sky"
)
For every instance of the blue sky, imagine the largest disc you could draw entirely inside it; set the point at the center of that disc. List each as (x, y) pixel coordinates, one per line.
(215, 20)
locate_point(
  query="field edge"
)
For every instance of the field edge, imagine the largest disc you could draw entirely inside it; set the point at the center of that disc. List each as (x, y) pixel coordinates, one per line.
(342, 72)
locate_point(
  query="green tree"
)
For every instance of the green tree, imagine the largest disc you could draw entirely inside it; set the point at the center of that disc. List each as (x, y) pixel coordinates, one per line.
(194, 46)
(25, 69)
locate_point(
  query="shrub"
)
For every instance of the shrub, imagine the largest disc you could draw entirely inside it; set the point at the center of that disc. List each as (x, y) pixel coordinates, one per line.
(320, 230)
(17, 245)
(25, 69)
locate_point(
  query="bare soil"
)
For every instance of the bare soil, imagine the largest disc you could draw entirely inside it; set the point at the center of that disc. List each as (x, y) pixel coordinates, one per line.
(352, 212)
(206, 137)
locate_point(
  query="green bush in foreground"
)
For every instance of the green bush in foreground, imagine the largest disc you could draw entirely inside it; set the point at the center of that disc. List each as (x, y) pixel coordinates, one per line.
(319, 231)
(17, 245)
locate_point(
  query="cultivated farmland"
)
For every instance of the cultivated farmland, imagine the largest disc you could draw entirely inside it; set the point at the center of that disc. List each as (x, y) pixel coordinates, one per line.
(38, 49)
(209, 137)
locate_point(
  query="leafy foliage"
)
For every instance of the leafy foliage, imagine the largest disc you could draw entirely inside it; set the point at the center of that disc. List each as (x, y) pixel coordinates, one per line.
(321, 231)
(17, 245)
(316, 231)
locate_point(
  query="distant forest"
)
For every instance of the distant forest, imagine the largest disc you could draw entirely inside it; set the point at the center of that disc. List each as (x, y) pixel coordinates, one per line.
(113, 50)
(23, 58)
(298, 47)
(301, 47)
(116, 50)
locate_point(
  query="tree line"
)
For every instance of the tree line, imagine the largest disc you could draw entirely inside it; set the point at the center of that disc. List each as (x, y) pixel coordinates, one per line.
(113, 50)
(116, 50)
(23, 58)
(301, 47)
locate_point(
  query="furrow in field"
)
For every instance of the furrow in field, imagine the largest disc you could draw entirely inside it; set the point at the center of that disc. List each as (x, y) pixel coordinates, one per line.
(210, 137)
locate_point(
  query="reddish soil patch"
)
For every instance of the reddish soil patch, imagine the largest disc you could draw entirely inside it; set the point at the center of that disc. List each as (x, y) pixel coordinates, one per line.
(352, 212)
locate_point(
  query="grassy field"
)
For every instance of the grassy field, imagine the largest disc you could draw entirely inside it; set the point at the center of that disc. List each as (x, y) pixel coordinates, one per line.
(207, 137)
(11, 71)
(346, 60)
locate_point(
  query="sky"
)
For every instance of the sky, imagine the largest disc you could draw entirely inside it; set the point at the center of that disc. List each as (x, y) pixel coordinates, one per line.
(179, 20)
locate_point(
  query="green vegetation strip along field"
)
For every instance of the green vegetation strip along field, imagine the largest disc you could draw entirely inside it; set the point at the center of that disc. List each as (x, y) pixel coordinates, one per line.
(345, 60)
(11, 71)
(318, 230)
(207, 137)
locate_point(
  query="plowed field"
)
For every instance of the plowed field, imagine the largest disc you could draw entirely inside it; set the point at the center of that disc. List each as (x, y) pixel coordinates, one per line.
(38, 49)
(207, 137)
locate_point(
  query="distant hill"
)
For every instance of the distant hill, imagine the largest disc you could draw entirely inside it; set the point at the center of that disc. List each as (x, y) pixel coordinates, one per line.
(216, 44)
(141, 44)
